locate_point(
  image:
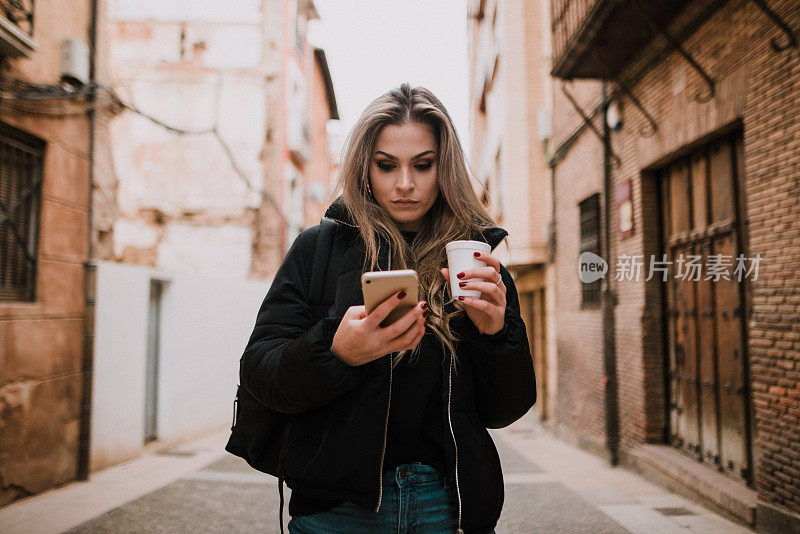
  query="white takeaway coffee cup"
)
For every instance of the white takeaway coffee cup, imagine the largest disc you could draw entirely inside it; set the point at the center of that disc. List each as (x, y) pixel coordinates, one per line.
(460, 257)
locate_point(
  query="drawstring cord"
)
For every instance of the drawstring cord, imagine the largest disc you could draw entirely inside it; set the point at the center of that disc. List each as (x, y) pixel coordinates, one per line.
(280, 492)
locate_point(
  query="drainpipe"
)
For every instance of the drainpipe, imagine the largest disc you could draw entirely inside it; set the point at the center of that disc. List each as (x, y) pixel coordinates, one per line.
(551, 163)
(609, 300)
(90, 277)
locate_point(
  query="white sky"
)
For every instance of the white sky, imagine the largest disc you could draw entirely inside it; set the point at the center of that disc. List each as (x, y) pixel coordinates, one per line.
(373, 46)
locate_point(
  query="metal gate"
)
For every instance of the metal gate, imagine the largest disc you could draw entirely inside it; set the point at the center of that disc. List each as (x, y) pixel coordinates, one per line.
(708, 384)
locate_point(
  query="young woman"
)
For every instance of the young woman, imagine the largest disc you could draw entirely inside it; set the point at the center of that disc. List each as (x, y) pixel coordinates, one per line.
(387, 426)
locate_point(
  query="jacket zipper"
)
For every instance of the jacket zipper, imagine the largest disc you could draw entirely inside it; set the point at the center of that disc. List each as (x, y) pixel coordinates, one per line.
(386, 420)
(455, 445)
(385, 432)
(386, 429)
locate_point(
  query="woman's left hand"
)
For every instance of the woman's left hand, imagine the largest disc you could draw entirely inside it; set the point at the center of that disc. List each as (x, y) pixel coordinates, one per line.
(487, 313)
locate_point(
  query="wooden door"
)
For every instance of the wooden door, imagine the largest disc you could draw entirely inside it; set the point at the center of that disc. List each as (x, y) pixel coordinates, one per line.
(533, 312)
(704, 300)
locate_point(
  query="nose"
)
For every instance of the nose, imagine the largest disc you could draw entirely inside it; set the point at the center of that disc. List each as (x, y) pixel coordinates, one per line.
(405, 182)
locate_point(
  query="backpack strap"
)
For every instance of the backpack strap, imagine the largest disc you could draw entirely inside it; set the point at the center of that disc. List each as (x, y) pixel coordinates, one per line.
(322, 254)
(321, 290)
(335, 259)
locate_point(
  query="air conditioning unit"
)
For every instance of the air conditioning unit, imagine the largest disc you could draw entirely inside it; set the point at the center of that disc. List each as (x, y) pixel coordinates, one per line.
(74, 61)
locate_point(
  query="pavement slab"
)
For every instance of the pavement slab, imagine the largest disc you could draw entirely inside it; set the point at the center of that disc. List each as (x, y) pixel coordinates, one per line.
(551, 507)
(192, 506)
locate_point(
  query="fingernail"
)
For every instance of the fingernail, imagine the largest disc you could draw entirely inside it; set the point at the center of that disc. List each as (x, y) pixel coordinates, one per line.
(424, 305)
(462, 284)
(401, 295)
(460, 275)
(425, 314)
(477, 254)
(461, 298)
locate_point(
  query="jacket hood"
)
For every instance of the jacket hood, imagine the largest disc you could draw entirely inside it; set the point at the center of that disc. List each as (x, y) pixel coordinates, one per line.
(338, 212)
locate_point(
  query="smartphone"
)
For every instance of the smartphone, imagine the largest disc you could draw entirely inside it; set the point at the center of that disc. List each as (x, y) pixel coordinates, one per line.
(378, 286)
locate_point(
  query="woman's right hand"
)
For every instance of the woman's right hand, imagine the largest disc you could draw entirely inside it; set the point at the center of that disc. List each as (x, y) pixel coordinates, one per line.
(360, 338)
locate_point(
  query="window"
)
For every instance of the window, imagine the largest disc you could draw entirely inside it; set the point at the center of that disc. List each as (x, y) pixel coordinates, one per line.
(499, 180)
(16, 28)
(299, 29)
(298, 39)
(590, 242)
(19, 13)
(21, 160)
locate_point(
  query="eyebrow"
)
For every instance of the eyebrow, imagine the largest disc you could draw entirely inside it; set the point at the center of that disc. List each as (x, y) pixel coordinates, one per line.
(395, 157)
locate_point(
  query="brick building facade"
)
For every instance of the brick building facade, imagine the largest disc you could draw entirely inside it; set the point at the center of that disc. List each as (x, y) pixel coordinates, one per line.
(509, 88)
(254, 96)
(44, 218)
(158, 184)
(202, 179)
(700, 382)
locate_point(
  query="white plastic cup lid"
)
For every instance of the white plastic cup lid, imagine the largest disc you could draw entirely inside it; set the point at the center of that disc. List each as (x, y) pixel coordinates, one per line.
(472, 245)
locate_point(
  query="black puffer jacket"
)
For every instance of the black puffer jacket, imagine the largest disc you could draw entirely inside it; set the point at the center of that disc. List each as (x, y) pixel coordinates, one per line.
(338, 418)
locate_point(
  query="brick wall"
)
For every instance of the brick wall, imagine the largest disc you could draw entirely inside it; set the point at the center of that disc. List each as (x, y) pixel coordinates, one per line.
(518, 180)
(511, 50)
(758, 89)
(772, 166)
(580, 406)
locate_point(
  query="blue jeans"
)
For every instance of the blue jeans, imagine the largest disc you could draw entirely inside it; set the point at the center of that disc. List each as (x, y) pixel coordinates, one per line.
(414, 500)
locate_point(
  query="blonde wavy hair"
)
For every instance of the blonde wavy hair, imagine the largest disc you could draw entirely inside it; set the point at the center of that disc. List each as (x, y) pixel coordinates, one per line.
(456, 214)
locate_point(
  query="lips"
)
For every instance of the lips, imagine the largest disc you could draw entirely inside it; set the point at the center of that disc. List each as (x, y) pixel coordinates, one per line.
(402, 202)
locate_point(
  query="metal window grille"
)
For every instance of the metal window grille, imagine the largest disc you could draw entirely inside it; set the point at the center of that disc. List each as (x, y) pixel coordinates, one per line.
(21, 162)
(590, 242)
(19, 12)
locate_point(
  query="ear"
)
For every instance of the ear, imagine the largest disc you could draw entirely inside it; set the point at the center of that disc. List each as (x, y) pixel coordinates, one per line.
(368, 186)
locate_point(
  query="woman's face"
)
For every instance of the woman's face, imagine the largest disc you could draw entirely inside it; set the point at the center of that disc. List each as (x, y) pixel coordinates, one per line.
(403, 172)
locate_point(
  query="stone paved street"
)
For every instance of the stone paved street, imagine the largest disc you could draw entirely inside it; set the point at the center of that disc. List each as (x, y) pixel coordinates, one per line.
(551, 487)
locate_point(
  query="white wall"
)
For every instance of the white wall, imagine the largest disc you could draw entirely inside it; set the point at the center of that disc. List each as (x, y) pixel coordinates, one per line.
(120, 346)
(193, 65)
(205, 324)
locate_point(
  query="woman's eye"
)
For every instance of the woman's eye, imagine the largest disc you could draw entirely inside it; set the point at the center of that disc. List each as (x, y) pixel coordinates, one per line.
(386, 167)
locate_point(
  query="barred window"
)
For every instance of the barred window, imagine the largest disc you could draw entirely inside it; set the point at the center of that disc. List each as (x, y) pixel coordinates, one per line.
(21, 161)
(590, 242)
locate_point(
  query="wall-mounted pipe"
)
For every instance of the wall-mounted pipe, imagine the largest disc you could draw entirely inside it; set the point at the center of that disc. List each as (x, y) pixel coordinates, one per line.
(609, 300)
(87, 364)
